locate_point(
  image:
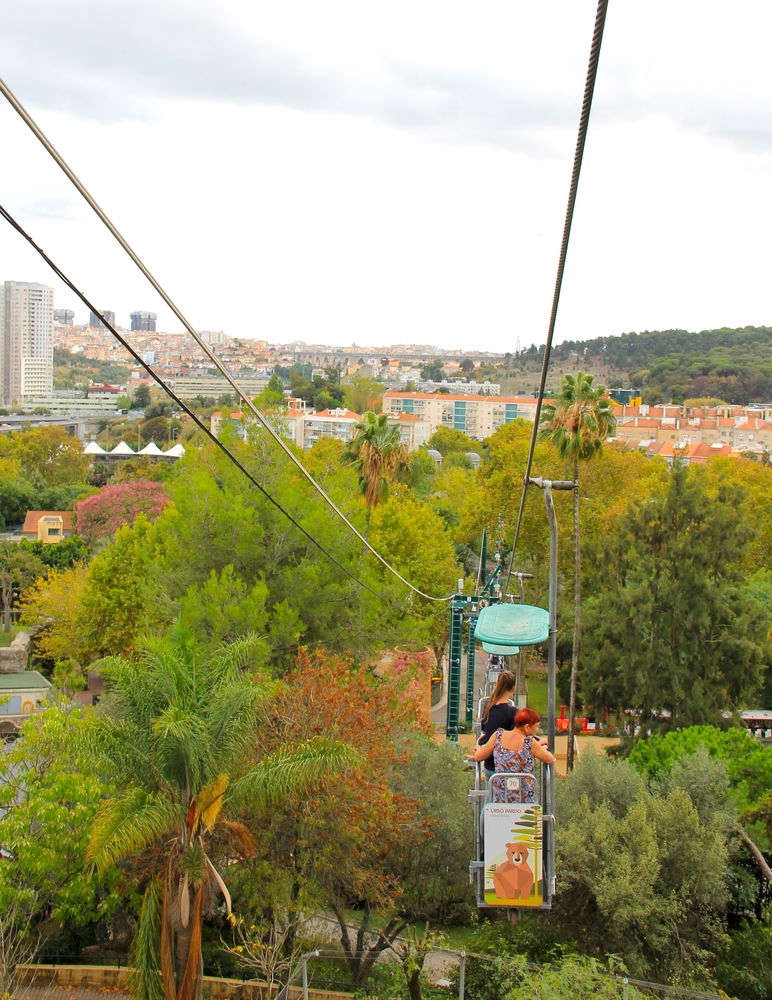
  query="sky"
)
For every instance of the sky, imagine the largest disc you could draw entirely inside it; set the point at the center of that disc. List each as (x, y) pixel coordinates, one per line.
(385, 173)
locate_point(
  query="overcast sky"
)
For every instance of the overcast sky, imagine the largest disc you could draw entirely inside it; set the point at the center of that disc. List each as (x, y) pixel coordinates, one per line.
(395, 172)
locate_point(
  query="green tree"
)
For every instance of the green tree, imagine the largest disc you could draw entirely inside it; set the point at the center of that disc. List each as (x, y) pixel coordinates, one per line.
(17, 496)
(363, 394)
(409, 534)
(642, 875)
(174, 735)
(449, 441)
(378, 456)
(55, 603)
(62, 555)
(49, 456)
(432, 372)
(434, 874)
(748, 763)
(217, 519)
(577, 423)
(223, 607)
(123, 593)
(64, 496)
(49, 795)
(141, 397)
(19, 568)
(671, 572)
(272, 396)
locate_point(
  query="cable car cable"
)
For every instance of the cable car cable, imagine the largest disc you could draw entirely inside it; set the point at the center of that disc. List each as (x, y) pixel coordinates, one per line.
(124, 343)
(56, 156)
(584, 118)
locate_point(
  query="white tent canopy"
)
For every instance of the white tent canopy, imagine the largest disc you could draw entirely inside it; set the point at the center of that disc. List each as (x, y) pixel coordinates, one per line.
(122, 449)
(150, 449)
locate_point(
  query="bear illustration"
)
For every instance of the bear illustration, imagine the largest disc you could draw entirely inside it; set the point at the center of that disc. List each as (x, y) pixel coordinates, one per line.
(514, 879)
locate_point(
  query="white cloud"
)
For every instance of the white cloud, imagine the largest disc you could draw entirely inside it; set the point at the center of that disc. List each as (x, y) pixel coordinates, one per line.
(396, 172)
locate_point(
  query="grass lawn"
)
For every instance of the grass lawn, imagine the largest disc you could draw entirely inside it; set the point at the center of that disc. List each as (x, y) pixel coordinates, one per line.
(537, 693)
(460, 937)
(6, 637)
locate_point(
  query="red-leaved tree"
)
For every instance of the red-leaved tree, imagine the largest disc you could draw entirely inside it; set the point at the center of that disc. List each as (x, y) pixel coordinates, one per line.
(346, 843)
(101, 515)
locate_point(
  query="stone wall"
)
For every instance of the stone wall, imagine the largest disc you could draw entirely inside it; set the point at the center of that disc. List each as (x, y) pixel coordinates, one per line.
(13, 658)
(113, 979)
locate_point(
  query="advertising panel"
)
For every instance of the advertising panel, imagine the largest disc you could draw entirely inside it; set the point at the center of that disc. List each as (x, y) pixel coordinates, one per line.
(514, 874)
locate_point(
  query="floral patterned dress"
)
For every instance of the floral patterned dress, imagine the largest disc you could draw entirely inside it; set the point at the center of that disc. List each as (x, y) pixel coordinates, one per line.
(513, 761)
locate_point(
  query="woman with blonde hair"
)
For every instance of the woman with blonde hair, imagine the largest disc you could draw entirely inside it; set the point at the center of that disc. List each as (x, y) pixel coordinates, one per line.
(516, 751)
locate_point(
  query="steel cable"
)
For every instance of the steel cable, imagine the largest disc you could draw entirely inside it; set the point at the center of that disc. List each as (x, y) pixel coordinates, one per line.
(81, 189)
(183, 406)
(584, 118)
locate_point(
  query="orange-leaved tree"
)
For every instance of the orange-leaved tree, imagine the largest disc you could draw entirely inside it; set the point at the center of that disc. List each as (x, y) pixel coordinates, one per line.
(348, 842)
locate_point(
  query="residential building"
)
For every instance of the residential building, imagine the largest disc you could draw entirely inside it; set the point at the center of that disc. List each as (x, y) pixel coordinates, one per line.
(458, 387)
(48, 525)
(26, 341)
(73, 402)
(337, 423)
(96, 323)
(305, 429)
(143, 321)
(742, 429)
(190, 386)
(413, 430)
(476, 416)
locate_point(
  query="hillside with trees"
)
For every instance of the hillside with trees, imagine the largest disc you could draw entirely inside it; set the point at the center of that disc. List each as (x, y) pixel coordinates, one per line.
(731, 365)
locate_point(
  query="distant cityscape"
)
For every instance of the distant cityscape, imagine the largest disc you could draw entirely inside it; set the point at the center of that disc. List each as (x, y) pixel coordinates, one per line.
(31, 328)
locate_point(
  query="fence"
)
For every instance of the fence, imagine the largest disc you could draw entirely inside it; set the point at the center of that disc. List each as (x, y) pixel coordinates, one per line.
(314, 976)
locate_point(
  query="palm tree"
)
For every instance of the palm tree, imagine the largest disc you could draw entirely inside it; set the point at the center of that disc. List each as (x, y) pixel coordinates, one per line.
(174, 737)
(378, 455)
(578, 423)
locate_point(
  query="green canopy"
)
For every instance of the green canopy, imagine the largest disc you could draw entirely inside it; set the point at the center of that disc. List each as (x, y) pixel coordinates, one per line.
(510, 626)
(491, 647)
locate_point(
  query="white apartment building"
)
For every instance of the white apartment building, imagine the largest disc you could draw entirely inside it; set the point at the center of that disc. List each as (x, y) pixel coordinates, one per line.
(305, 429)
(26, 341)
(477, 416)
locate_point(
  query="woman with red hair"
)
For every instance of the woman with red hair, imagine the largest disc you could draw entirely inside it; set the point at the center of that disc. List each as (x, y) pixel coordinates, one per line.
(515, 751)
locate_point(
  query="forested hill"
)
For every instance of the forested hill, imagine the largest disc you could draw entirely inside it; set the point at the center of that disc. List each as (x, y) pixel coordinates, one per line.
(733, 365)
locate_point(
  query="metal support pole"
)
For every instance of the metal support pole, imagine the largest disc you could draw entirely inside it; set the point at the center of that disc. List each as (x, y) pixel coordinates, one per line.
(461, 974)
(552, 606)
(549, 804)
(283, 993)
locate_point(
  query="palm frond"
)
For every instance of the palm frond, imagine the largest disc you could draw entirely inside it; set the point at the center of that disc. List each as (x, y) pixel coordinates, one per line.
(209, 801)
(231, 716)
(240, 835)
(127, 752)
(129, 822)
(145, 976)
(579, 420)
(237, 655)
(292, 769)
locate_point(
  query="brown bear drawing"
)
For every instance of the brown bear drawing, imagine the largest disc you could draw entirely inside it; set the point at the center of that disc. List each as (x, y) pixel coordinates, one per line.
(514, 879)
